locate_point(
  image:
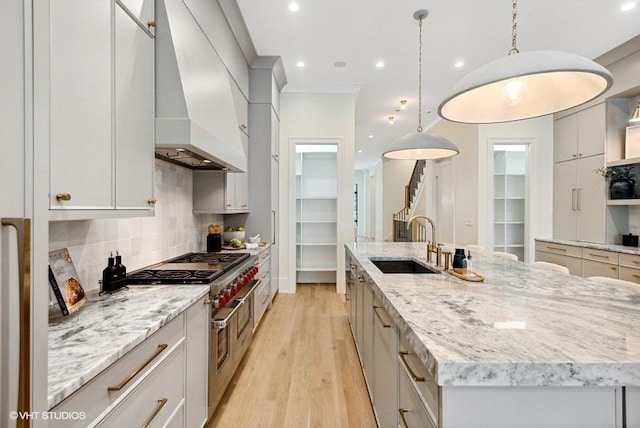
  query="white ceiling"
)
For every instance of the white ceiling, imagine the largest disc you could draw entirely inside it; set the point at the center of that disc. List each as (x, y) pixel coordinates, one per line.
(362, 32)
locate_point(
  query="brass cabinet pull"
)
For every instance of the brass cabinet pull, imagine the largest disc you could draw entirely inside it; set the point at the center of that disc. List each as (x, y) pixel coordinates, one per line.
(598, 256)
(122, 384)
(151, 24)
(161, 402)
(557, 249)
(208, 301)
(375, 309)
(402, 418)
(361, 278)
(152, 201)
(63, 197)
(613, 268)
(636, 276)
(415, 377)
(23, 232)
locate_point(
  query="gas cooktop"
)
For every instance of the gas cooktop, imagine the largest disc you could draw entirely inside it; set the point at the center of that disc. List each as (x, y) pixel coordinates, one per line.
(191, 268)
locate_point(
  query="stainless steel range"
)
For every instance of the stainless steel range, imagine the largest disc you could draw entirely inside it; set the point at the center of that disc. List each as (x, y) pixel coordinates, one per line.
(232, 282)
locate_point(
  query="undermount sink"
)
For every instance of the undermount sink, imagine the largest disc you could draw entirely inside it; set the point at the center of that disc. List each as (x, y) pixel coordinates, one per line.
(401, 265)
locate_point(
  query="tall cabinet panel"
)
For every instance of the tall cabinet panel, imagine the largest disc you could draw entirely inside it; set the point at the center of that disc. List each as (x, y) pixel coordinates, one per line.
(579, 209)
(266, 79)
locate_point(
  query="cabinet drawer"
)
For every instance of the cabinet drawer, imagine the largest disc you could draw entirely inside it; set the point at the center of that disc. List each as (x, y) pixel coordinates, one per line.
(593, 268)
(630, 274)
(567, 250)
(600, 255)
(630, 260)
(94, 397)
(155, 399)
(264, 268)
(420, 377)
(411, 412)
(574, 264)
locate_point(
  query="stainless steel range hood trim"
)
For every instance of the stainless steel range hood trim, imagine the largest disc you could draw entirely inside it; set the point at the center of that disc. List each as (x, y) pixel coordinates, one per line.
(171, 131)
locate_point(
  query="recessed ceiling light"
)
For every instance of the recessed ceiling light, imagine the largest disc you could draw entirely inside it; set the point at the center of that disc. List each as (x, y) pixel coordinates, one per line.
(359, 151)
(379, 64)
(403, 104)
(370, 137)
(339, 64)
(459, 64)
(391, 120)
(300, 64)
(627, 6)
(294, 7)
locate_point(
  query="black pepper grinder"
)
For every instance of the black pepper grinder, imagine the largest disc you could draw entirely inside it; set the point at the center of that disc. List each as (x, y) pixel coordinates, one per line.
(107, 274)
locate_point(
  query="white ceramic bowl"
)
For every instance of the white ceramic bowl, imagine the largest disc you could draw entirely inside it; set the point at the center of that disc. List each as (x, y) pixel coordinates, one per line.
(228, 236)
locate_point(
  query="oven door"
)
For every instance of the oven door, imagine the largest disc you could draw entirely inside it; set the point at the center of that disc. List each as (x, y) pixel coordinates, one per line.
(244, 318)
(221, 340)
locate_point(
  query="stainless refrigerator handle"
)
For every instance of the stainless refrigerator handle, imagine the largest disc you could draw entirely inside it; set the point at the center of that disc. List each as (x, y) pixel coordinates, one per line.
(578, 192)
(573, 199)
(273, 218)
(23, 231)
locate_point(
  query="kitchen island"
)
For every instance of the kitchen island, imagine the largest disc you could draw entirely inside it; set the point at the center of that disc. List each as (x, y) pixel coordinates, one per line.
(559, 342)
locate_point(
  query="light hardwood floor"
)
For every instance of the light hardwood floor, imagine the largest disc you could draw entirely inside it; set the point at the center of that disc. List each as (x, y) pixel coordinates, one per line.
(301, 370)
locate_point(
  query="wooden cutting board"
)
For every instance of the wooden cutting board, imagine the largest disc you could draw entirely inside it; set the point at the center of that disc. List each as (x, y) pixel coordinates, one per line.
(467, 275)
(229, 247)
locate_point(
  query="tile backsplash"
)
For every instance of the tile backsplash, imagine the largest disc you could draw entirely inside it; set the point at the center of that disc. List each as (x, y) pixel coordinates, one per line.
(174, 230)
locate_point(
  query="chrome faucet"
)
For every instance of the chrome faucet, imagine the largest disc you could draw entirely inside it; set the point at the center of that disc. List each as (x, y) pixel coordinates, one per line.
(432, 247)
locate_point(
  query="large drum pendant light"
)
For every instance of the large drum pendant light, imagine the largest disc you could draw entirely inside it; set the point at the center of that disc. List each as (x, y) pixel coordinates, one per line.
(421, 144)
(524, 85)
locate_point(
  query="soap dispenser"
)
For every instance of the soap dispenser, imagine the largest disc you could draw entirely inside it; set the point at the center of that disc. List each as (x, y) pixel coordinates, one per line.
(459, 259)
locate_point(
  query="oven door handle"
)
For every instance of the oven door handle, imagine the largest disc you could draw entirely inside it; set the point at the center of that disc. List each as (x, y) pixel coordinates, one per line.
(245, 295)
(224, 315)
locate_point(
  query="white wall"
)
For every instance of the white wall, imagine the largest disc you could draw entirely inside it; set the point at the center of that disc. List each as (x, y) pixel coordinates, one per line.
(315, 116)
(173, 231)
(541, 175)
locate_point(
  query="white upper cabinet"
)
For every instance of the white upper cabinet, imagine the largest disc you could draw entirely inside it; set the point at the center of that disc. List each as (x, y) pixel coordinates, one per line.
(134, 113)
(102, 97)
(580, 134)
(242, 107)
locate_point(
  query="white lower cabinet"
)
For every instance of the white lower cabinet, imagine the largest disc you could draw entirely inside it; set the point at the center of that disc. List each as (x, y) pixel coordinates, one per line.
(385, 367)
(366, 350)
(162, 380)
(263, 292)
(155, 399)
(632, 406)
(411, 411)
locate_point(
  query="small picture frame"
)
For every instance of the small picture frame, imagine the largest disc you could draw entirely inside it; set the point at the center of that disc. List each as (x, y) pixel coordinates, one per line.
(632, 142)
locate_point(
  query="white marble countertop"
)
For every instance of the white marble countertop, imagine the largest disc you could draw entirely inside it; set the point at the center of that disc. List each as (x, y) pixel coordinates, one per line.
(107, 327)
(522, 326)
(594, 245)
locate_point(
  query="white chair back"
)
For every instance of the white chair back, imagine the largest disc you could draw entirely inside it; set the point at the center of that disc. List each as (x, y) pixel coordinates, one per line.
(503, 255)
(552, 266)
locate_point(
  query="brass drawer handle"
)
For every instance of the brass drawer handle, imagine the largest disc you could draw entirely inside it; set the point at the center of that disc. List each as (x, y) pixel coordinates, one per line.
(415, 377)
(636, 276)
(613, 268)
(375, 309)
(564, 250)
(599, 256)
(152, 201)
(161, 402)
(402, 418)
(122, 384)
(63, 197)
(151, 24)
(361, 278)
(636, 262)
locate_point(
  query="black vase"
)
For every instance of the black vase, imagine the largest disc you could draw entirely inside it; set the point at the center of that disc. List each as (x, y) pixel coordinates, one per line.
(458, 258)
(621, 188)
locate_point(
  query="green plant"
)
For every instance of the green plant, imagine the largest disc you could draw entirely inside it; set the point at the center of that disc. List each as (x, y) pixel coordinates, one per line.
(617, 172)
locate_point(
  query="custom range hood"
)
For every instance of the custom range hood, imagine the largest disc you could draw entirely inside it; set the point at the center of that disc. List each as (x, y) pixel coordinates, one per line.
(196, 124)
